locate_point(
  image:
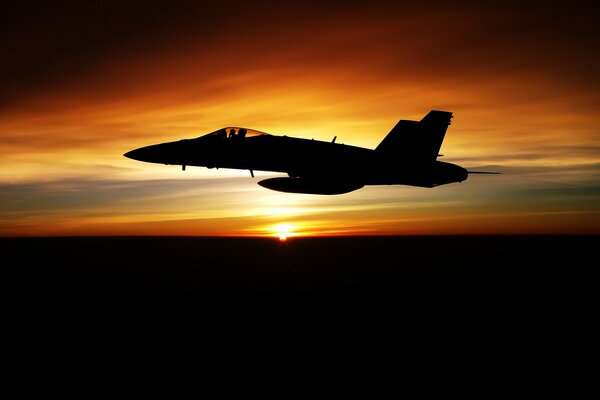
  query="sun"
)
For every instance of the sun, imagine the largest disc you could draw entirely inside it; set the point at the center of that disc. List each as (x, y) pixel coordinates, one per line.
(283, 231)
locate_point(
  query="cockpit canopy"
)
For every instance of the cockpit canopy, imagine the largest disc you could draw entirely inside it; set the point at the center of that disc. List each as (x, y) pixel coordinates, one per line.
(235, 133)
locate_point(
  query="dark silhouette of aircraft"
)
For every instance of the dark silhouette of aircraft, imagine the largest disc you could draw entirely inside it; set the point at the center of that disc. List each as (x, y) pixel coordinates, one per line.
(406, 156)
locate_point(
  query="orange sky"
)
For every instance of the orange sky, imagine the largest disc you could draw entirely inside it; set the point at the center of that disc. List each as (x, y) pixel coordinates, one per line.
(84, 83)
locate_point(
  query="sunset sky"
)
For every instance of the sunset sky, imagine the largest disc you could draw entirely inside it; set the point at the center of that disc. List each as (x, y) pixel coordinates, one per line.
(83, 82)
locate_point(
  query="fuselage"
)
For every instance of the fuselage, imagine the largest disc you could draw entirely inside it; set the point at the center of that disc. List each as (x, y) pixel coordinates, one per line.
(300, 158)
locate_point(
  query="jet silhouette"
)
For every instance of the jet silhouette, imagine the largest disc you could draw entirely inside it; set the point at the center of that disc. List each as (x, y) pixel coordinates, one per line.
(406, 156)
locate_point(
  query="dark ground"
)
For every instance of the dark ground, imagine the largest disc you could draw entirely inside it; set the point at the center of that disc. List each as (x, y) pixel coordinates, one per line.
(500, 292)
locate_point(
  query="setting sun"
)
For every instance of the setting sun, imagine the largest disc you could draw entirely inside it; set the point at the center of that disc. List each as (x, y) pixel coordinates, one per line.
(283, 231)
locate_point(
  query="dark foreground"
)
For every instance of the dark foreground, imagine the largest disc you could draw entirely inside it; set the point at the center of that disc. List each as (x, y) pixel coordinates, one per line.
(494, 290)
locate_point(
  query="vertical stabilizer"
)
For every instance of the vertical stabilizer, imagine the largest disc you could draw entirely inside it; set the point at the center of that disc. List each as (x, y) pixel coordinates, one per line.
(413, 141)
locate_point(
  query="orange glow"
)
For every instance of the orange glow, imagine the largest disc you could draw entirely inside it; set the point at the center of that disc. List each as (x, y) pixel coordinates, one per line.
(521, 85)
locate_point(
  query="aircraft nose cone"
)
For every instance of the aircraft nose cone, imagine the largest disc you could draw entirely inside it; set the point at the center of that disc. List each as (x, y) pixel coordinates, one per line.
(134, 155)
(156, 153)
(164, 153)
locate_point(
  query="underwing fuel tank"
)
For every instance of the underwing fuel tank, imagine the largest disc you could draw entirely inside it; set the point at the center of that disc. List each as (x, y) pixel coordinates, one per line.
(309, 186)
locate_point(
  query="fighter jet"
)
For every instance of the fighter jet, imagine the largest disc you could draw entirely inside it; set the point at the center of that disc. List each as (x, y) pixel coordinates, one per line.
(406, 156)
